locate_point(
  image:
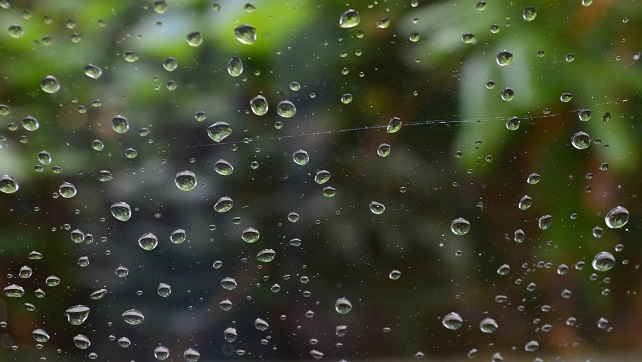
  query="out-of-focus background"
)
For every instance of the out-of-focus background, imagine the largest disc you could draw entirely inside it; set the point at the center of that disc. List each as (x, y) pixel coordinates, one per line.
(431, 179)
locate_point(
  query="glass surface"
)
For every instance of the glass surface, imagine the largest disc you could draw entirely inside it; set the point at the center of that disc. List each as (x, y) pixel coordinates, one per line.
(300, 180)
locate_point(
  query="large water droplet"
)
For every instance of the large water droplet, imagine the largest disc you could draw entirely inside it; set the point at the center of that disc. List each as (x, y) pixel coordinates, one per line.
(343, 306)
(286, 109)
(259, 105)
(50, 84)
(250, 235)
(603, 261)
(512, 124)
(93, 71)
(488, 325)
(228, 283)
(581, 140)
(266, 255)
(584, 114)
(224, 204)
(133, 317)
(617, 217)
(81, 341)
(148, 241)
(185, 180)
(8, 184)
(44, 157)
(191, 355)
(160, 6)
(16, 31)
(40, 335)
(178, 236)
(235, 66)
(121, 211)
(67, 190)
(452, 321)
(529, 13)
(170, 64)
(194, 39)
(504, 58)
(219, 131)
(460, 226)
(77, 314)
(507, 94)
(120, 124)
(545, 222)
(14, 291)
(349, 19)
(301, 157)
(223, 167)
(246, 34)
(322, 177)
(161, 353)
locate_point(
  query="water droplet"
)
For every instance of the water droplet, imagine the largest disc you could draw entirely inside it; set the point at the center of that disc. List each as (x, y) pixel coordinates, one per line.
(414, 37)
(131, 56)
(8, 184)
(120, 124)
(507, 94)
(584, 114)
(377, 208)
(322, 177)
(504, 269)
(566, 97)
(93, 71)
(394, 125)
(346, 98)
(225, 305)
(468, 38)
(170, 64)
(77, 314)
(235, 67)
(50, 84)
(504, 58)
(81, 341)
(191, 355)
(228, 283)
(383, 23)
(160, 6)
(164, 290)
(98, 294)
(148, 241)
(131, 153)
(185, 180)
(603, 261)
(617, 217)
(581, 140)
(512, 123)
(67, 190)
(545, 222)
(285, 109)
(460, 226)
(259, 105)
(519, 236)
(250, 235)
(452, 321)
(40, 335)
(223, 204)
(343, 306)
(105, 176)
(394, 274)
(121, 271)
(329, 191)
(261, 324)
(178, 236)
(490, 84)
(133, 317)
(301, 157)
(529, 13)
(266, 255)
(531, 346)
(219, 131)
(570, 57)
(14, 291)
(480, 6)
(124, 342)
(194, 39)
(223, 167)
(246, 34)
(383, 150)
(161, 353)
(533, 178)
(349, 19)
(488, 325)
(97, 145)
(525, 202)
(587, 2)
(15, 31)
(121, 211)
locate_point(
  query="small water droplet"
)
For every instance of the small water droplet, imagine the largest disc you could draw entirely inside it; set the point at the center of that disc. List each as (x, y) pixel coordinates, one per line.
(533, 178)
(160, 6)
(343, 306)
(570, 57)
(77, 314)
(185, 180)
(349, 19)
(148, 241)
(377, 208)
(120, 124)
(16, 31)
(178, 236)
(161, 353)
(246, 34)
(468, 38)
(383, 23)
(581, 140)
(266, 255)
(67, 190)
(228, 283)
(346, 98)
(14, 291)
(133, 317)
(394, 125)
(383, 150)
(488, 325)
(322, 177)
(8, 184)
(414, 37)
(164, 290)
(40, 335)
(545, 222)
(507, 94)
(223, 204)
(566, 97)
(170, 64)
(394, 274)
(584, 115)
(301, 157)
(452, 321)
(504, 269)
(93, 71)
(223, 167)
(250, 235)
(259, 105)
(131, 56)
(81, 341)
(285, 109)
(512, 123)
(529, 13)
